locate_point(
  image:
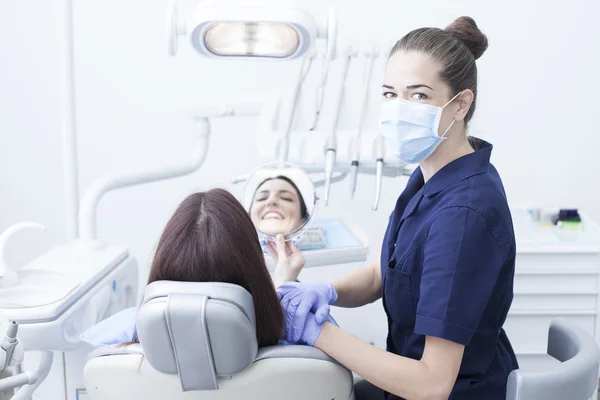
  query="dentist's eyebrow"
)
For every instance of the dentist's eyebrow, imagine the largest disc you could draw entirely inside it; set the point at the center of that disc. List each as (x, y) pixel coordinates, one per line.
(419, 85)
(387, 87)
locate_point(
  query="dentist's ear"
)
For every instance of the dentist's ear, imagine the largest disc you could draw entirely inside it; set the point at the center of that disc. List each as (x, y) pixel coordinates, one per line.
(464, 101)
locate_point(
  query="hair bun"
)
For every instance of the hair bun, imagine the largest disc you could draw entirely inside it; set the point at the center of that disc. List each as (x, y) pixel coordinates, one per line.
(465, 29)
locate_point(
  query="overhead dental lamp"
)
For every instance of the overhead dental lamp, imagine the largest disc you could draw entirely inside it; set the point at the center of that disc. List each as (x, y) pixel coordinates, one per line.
(267, 29)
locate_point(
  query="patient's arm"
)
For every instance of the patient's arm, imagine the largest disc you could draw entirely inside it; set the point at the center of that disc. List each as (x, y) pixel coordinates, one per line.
(359, 287)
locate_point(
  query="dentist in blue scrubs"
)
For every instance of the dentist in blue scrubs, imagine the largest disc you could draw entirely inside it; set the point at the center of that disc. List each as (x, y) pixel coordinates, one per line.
(447, 262)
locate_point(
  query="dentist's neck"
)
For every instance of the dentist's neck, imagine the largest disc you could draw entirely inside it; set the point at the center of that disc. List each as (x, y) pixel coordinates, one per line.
(456, 146)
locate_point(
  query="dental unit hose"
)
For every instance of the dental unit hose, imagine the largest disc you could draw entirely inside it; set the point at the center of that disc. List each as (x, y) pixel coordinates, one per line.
(353, 177)
(331, 143)
(303, 73)
(379, 153)
(8, 345)
(321, 90)
(356, 142)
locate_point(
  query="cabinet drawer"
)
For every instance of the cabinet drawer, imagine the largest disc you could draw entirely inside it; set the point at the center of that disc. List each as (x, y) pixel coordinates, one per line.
(529, 333)
(554, 302)
(549, 262)
(557, 283)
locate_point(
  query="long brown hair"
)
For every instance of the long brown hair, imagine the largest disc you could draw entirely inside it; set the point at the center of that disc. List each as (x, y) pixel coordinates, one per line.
(211, 238)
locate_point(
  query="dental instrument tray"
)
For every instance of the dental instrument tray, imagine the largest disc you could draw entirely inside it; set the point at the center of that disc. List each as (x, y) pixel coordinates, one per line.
(343, 244)
(313, 238)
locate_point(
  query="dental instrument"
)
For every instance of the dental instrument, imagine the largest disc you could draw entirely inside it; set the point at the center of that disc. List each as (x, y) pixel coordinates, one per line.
(379, 153)
(370, 55)
(331, 142)
(343, 147)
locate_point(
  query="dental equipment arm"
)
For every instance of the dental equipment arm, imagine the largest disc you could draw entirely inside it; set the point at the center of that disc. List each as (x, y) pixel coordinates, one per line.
(379, 152)
(100, 187)
(331, 143)
(28, 381)
(355, 141)
(68, 122)
(8, 277)
(12, 352)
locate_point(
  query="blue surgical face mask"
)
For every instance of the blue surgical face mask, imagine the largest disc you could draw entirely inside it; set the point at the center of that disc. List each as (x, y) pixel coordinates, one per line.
(411, 129)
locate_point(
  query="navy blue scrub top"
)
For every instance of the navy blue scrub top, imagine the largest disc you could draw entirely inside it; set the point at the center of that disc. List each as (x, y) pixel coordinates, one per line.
(448, 264)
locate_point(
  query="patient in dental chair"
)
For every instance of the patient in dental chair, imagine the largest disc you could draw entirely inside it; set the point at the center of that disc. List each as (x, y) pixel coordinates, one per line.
(209, 238)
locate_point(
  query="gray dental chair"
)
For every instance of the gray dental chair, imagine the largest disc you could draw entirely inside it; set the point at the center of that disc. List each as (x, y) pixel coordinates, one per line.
(575, 378)
(198, 341)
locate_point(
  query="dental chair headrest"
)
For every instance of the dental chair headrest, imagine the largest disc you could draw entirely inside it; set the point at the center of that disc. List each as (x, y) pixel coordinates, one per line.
(198, 330)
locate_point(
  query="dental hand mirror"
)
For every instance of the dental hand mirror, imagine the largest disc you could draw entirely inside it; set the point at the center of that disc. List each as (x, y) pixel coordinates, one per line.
(280, 199)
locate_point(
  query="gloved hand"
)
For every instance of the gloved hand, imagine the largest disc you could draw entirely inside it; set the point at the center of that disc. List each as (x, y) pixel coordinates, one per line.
(312, 330)
(300, 299)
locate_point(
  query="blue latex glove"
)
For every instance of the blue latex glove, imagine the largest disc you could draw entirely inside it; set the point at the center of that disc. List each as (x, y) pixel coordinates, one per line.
(298, 300)
(312, 330)
(304, 339)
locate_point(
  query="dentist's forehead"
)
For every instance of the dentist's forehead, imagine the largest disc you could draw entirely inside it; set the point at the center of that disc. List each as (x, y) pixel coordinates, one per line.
(405, 69)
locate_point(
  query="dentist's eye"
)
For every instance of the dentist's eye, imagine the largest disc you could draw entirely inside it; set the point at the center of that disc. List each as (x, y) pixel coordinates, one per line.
(419, 96)
(389, 95)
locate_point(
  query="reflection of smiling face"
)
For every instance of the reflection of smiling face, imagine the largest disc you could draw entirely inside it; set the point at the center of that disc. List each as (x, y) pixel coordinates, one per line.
(276, 208)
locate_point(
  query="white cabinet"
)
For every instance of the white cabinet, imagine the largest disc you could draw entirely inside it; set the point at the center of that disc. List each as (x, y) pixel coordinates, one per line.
(557, 275)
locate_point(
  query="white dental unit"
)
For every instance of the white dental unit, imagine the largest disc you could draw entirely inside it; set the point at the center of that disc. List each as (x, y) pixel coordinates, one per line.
(326, 127)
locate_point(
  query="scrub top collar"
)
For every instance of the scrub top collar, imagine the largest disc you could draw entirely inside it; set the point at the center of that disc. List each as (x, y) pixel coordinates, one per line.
(460, 169)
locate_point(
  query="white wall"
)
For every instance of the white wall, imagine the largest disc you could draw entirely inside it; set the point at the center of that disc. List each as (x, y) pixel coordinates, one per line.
(537, 105)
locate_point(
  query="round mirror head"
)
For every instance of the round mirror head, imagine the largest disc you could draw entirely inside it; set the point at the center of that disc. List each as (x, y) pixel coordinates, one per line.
(281, 199)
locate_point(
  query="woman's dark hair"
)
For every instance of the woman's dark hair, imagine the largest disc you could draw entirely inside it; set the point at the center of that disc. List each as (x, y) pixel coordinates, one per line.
(210, 238)
(303, 208)
(456, 48)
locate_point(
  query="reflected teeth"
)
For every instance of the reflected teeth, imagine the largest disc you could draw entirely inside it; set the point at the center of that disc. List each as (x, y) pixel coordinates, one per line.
(272, 215)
